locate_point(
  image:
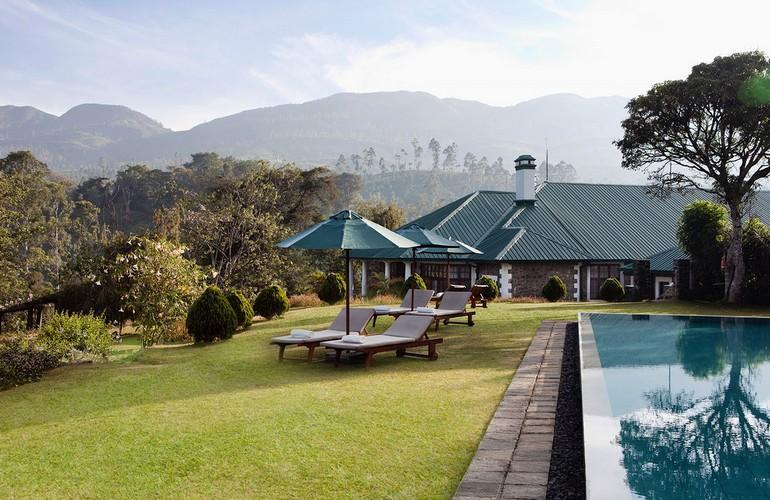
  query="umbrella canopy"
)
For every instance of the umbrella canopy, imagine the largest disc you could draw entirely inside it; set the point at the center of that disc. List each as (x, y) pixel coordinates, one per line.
(460, 249)
(348, 231)
(427, 239)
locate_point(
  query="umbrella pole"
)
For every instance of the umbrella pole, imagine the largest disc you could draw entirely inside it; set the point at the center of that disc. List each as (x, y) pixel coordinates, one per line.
(414, 270)
(347, 292)
(448, 279)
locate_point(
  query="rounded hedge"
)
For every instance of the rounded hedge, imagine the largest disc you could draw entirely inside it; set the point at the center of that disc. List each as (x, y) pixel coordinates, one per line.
(271, 302)
(333, 288)
(554, 289)
(493, 291)
(415, 278)
(243, 310)
(612, 290)
(211, 317)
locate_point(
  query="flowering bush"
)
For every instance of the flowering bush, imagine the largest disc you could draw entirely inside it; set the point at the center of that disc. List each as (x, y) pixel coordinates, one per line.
(75, 336)
(161, 285)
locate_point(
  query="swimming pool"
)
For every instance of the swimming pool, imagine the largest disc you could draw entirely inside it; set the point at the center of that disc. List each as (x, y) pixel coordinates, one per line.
(676, 406)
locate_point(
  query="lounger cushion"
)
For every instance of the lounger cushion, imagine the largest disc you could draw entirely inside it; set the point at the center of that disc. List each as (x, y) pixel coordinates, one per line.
(455, 300)
(359, 318)
(316, 337)
(439, 313)
(421, 298)
(370, 341)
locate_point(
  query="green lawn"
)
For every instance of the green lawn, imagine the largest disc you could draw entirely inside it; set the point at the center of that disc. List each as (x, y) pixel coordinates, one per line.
(229, 420)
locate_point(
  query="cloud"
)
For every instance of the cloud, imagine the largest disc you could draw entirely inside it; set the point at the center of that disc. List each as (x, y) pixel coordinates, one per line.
(606, 47)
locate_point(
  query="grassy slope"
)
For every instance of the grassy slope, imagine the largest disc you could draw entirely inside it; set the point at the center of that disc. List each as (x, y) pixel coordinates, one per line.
(228, 420)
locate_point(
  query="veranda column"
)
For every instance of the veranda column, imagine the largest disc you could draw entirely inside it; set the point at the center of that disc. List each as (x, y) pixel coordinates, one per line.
(407, 270)
(364, 279)
(387, 270)
(473, 275)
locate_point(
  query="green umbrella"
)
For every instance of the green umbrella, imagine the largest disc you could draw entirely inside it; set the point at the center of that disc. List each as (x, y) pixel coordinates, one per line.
(460, 248)
(348, 231)
(426, 239)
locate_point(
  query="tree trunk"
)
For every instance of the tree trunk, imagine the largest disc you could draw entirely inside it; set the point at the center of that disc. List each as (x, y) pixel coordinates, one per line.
(734, 266)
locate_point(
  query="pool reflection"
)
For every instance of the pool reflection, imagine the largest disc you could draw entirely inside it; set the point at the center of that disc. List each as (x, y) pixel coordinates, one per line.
(684, 443)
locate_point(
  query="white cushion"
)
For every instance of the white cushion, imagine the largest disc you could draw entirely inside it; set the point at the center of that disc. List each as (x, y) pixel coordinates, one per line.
(369, 341)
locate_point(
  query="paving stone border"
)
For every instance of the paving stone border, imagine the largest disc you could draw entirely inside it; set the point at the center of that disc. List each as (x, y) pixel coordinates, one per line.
(514, 457)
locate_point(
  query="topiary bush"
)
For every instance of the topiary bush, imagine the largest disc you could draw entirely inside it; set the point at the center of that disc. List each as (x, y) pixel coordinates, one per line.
(271, 302)
(493, 291)
(22, 362)
(415, 278)
(72, 337)
(211, 317)
(244, 313)
(612, 290)
(554, 289)
(333, 288)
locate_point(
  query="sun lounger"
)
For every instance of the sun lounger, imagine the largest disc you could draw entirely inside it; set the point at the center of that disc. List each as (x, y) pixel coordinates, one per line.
(406, 332)
(421, 299)
(359, 318)
(452, 305)
(478, 293)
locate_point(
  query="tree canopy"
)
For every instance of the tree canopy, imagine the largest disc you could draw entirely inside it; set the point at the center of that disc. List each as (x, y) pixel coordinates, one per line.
(710, 131)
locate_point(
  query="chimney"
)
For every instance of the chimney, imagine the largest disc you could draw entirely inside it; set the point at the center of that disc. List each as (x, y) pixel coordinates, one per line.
(525, 180)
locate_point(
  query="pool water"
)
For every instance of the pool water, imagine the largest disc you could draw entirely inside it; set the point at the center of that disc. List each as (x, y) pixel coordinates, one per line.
(676, 406)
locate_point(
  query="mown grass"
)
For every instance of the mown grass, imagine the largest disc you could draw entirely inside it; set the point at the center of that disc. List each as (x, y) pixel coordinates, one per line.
(228, 420)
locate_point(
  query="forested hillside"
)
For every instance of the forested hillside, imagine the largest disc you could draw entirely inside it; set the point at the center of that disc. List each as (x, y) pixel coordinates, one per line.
(386, 130)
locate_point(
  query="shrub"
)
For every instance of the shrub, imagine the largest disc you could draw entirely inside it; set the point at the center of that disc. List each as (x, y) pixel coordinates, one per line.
(22, 362)
(554, 289)
(211, 317)
(244, 313)
(316, 281)
(177, 333)
(305, 300)
(271, 302)
(612, 290)
(333, 288)
(415, 278)
(493, 291)
(70, 337)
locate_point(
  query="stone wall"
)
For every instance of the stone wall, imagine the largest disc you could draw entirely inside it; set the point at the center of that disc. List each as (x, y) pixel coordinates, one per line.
(528, 279)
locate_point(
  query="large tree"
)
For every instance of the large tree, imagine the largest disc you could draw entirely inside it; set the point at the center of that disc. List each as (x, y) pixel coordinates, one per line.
(710, 131)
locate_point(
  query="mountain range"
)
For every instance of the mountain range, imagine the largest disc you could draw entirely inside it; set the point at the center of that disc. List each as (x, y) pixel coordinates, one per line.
(91, 136)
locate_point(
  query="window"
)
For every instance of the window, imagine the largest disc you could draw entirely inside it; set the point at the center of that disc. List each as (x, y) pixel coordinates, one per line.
(599, 274)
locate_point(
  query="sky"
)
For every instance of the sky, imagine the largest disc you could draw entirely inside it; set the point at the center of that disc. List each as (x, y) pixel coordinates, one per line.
(186, 62)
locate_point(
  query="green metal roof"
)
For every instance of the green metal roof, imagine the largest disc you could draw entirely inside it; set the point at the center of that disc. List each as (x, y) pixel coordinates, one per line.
(569, 222)
(664, 261)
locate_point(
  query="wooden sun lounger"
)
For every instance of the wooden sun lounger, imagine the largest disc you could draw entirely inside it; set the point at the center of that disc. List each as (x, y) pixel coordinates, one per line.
(359, 318)
(452, 306)
(406, 332)
(421, 299)
(477, 295)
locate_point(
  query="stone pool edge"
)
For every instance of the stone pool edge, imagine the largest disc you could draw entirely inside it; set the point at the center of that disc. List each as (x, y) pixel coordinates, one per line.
(514, 456)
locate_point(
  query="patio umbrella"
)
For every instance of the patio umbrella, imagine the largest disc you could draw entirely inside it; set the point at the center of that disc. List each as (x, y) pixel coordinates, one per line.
(460, 249)
(426, 239)
(348, 231)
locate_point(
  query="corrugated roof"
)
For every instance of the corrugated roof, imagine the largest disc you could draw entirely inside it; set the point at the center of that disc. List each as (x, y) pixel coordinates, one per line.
(569, 222)
(664, 261)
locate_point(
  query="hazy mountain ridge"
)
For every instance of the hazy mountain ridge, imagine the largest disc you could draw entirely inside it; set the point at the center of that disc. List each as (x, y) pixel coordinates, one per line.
(579, 130)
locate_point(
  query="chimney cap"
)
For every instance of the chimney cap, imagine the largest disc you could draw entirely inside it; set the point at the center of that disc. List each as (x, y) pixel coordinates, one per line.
(525, 161)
